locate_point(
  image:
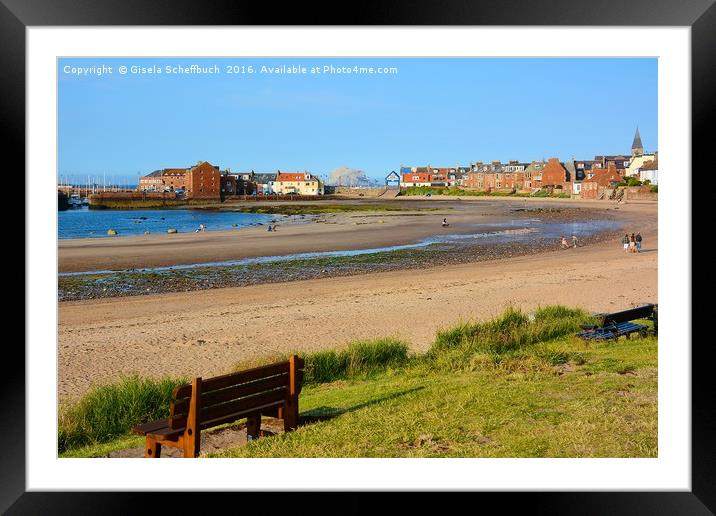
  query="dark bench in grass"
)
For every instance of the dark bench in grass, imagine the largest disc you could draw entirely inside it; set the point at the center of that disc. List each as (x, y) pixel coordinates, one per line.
(614, 325)
(270, 390)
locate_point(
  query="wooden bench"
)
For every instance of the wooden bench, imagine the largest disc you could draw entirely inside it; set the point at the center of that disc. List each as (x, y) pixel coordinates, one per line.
(614, 325)
(270, 390)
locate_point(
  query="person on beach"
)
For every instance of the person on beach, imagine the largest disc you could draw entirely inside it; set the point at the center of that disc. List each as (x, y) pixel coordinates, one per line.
(565, 245)
(625, 241)
(269, 228)
(638, 242)
(574, 241)
(632, 243)
(445, 223)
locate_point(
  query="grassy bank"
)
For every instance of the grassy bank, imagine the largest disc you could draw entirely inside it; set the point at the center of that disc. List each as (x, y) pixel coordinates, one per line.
(424, 190)
(110, 411)
(520, 385)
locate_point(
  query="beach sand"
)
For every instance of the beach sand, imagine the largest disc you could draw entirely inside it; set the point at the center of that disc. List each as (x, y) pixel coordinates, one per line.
(205, 333)
(332, 232)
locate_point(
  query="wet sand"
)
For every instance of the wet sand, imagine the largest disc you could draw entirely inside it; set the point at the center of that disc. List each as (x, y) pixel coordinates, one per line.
(207, 332)
(329, 232)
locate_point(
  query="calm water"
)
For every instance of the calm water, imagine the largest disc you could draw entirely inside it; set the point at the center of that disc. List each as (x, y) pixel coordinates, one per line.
(86, 223)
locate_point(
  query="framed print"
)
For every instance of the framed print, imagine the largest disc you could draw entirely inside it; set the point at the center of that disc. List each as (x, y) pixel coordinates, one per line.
(418, 253)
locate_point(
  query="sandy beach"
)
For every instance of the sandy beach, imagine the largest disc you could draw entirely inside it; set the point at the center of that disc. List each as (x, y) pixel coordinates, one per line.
(327, 232)
(207, 332)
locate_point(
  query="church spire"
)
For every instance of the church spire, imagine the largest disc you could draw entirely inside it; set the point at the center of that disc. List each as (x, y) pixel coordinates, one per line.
(637, 149)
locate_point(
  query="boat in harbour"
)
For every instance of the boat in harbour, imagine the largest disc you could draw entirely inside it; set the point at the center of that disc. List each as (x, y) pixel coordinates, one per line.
(75, 201)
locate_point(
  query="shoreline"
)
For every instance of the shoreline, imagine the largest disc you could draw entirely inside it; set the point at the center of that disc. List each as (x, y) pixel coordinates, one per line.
(307, 234)
(204, 277)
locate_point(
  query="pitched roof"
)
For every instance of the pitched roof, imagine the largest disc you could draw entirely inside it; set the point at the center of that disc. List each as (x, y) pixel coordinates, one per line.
(295, 176)
(535, 166)
(264, 177)
(651, 165)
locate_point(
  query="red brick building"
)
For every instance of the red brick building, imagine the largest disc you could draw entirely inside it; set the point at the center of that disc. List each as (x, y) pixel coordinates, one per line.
(554, 174)
(174, 178)
(599, 180)
(606, 177)
(203, 181)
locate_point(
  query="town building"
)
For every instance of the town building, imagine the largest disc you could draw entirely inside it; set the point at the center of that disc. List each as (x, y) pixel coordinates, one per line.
(582, 168)
(600, 180)
(533, 175)
(164, 180)
(203, 181)
(297, 183)
(638, 157)
(552, 175)
(619, 161)
(650, 171)
(262, 183)
(228, 184)
(414, 176)
(152, 182)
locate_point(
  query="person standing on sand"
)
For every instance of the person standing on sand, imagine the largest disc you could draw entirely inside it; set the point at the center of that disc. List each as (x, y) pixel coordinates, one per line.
(638, 242)
(625, 241)
(632, 243)
(565, 245)
(574, 241)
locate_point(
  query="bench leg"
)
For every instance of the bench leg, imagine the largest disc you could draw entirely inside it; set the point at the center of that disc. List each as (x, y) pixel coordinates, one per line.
(192, 443)
(253, 427)
(290, 414)
(152, 449)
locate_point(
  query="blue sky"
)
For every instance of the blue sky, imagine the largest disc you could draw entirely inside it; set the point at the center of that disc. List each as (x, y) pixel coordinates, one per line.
(442, 112)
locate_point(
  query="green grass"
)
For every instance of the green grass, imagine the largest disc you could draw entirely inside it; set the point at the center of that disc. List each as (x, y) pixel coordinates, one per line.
(488, 412)
(109, 411)
(362, 358)
(518, 385)
(310, 209)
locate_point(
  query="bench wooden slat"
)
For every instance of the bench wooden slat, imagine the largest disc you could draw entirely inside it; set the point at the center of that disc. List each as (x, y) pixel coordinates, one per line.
(639, 312)
(181, 407)
(166, 433)
(181, 391)
(236, 409)
(227, 380)
(230, 418)
(242, 404)
(246, 389)
(154, 426)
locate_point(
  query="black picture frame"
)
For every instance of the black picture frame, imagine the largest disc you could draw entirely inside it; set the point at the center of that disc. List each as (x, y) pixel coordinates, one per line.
(700, 15)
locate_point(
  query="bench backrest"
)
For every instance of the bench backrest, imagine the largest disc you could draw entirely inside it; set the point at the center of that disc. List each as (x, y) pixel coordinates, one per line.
(640, 312)
(226, 398)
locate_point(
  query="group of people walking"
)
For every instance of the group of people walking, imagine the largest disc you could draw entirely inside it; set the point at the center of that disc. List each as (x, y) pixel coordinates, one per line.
(632, 243)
